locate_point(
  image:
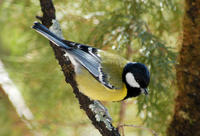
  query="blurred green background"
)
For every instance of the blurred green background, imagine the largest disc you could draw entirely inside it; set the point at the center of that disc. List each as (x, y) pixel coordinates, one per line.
(147, 31)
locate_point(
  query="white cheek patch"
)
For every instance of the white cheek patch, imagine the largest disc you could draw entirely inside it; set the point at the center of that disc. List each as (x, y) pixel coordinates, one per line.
(130, 79)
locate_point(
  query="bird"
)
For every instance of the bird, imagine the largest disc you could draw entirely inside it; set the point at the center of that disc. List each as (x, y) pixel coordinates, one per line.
(101, 75)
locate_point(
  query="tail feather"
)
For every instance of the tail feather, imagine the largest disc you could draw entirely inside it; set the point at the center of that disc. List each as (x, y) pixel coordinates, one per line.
(49, 35)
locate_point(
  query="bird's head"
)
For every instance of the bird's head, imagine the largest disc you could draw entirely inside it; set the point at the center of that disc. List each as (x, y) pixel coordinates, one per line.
(136, 76)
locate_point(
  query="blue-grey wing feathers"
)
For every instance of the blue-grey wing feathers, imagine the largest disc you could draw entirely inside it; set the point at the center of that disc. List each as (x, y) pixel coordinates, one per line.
(87, 56)
(93, 65)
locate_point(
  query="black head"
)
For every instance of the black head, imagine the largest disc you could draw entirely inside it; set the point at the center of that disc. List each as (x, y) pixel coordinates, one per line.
(136, 76)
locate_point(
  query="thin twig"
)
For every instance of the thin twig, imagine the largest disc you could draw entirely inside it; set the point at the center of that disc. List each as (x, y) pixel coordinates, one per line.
(122, 113)
(122, 130)
(135, 126)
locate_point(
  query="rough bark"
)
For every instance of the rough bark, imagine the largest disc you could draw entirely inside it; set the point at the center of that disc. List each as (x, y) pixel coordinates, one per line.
(68, 70)
(186, 119)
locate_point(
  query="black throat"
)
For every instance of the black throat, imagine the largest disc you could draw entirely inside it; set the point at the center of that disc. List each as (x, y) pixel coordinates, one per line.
(132, 92)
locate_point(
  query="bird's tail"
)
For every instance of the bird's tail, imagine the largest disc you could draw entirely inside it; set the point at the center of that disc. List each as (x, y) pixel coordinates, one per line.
(84, 57)
(49, 35)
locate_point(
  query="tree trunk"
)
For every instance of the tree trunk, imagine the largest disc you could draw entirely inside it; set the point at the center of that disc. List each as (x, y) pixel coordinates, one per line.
(186, 119)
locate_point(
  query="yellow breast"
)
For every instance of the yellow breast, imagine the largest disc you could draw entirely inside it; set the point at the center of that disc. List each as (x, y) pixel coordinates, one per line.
(89, 86)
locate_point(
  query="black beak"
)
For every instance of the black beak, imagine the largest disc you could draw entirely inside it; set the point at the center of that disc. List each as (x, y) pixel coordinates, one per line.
(145, 91)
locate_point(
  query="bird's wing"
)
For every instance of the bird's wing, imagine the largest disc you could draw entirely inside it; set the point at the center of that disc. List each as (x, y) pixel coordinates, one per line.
(105, 67)
(98, 63)
(113, 65)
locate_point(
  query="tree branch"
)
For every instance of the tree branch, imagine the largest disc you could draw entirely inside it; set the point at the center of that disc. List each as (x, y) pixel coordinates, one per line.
(48, 10)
